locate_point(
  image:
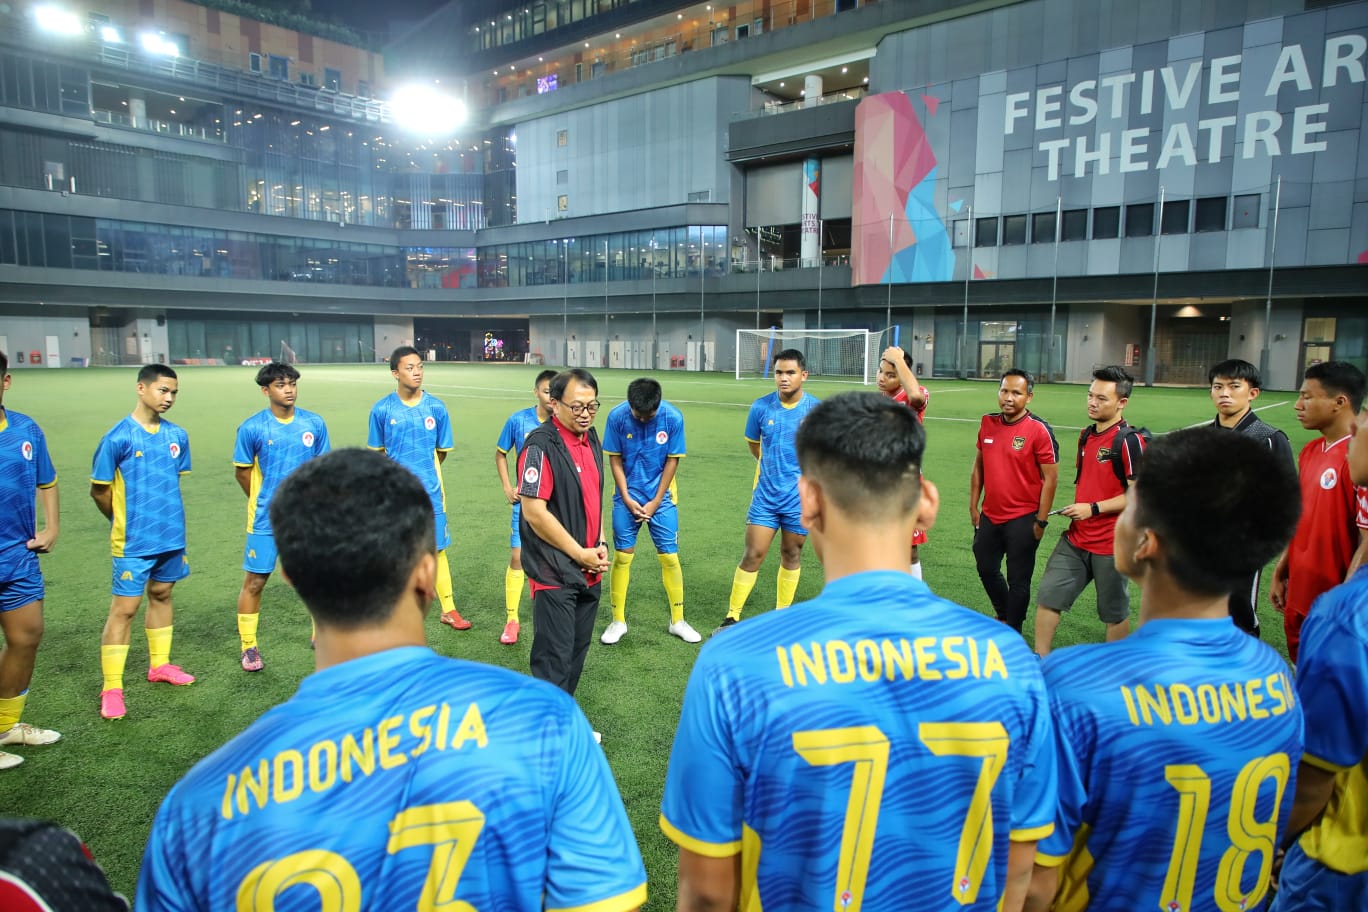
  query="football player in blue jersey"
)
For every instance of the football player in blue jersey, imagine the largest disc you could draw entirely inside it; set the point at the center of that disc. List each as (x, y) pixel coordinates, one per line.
(135, 483)
(394, 778)
(770, 426)
(877, 747)
(1176, 744)
(26, 472)
(1326, 868)
(515, 431)
(412, 427)
(644, 440)
(270, 445)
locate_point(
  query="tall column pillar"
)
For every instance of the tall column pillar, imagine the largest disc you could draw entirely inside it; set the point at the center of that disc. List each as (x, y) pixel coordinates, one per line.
(810, 238)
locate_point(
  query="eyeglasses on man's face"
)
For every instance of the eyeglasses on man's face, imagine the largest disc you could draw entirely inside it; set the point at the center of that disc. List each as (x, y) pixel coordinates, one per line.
(579, 408)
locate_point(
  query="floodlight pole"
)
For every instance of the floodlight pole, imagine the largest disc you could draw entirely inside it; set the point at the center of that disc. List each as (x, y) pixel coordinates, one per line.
(655, 337)
(565, 299)
(1054, 289)
(604, 354)
(888, 304)
(1151, 354)
(968, 273)
(757, 276)
(1266, 354)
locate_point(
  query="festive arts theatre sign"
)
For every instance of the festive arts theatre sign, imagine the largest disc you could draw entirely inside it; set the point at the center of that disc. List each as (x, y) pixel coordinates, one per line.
(1224, 84)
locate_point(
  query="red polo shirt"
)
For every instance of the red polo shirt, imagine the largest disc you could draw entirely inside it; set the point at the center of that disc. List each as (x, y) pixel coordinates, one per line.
(1013, 452)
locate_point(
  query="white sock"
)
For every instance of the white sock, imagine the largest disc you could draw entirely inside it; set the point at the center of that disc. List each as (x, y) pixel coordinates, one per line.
(915, 570)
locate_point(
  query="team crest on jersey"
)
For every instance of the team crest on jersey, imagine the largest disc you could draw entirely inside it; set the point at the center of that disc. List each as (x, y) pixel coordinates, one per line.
(1174, 906)
(27, 450)
(308, 438)
(846, 899)
(1329, 478)
(662, 438)
(530, 475)
(175, 451)
(1018, 443)
(964, 885)
(430, 423)
(1103, 454)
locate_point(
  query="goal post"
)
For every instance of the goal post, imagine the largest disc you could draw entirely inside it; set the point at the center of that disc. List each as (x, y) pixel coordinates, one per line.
(832, 354)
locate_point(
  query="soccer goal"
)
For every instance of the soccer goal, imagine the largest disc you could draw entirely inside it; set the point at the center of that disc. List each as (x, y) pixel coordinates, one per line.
(832, 354)
(287, 354)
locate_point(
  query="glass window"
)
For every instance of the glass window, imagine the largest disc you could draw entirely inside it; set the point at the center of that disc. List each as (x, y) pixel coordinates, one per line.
(986, 232)
(1106, 222)
(1175, 217)
(332, 79)
(1013, 230)
(1246, 213)
(1140, 220)
(279, 67)
(1043, 228)
(961, 232)
(1074, 226)
(1210, 214)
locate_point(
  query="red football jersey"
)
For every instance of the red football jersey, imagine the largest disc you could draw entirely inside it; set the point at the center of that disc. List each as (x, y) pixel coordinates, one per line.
(1097, 481)
(1013, 453)
(901, 396)
(1333, 510)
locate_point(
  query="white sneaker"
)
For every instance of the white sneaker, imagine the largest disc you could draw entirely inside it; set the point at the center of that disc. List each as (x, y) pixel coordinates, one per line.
(23, 733)
(613, 633)
(686, 633)
(598, 738)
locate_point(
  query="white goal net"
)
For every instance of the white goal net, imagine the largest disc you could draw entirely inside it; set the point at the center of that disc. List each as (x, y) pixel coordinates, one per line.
(832, 354)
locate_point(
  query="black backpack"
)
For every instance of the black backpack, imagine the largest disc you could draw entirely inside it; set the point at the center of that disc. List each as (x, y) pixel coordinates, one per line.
(1123, 431)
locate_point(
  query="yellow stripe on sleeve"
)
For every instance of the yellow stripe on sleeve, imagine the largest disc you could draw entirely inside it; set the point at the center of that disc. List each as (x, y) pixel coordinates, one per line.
(698, 846)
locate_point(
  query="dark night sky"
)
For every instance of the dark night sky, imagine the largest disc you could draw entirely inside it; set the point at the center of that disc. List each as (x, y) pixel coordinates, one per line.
(376, 15)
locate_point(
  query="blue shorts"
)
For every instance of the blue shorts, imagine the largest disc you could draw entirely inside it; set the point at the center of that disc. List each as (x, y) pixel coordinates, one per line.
(17, 593)
(515, 537)
(131, 574)
(789, 518)
(259, 554)
(1306, 884)
(664, 526)
(443, 531)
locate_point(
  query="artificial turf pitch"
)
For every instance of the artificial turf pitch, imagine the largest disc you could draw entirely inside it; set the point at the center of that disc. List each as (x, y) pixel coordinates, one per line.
(105, 779)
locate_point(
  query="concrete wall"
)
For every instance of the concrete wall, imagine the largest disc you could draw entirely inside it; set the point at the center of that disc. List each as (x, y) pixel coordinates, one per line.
(29, 334)
(390, 333)
(674, 332)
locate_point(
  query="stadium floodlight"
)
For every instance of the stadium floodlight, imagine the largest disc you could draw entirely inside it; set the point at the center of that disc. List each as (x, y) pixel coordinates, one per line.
(157, 44)
(57, 20)
(423, 109)
(110, 35)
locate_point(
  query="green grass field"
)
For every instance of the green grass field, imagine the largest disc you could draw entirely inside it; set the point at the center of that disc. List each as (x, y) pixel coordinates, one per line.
(105, 780)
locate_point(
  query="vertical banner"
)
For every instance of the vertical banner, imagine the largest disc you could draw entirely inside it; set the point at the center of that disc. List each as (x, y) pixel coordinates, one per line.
(810, 248)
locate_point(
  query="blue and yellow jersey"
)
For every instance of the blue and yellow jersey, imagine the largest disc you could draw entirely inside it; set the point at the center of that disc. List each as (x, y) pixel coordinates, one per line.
(516, 428)
(413, 435)
(144, 469)
(842, 743)
(400, 780)
(25, 466)
(644, 446)
(1332, 682)
(1177, 749)
(772, 424)
(272, 449)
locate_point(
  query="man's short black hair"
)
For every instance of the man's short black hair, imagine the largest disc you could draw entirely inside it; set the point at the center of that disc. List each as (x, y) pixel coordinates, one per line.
(349, 527)
(1340, 378)
(865, 450)
(150, 373)
(1023, 374)
(402, 352)
(276, 370)
(1235, 369)
(562, 380)
(1115, 373)
(4, 363)
(792, 354)
(543, 377)
(643, 396)
(1205, 488)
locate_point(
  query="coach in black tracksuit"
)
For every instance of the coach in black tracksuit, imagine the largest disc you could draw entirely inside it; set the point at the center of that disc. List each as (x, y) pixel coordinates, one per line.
(1235, 384)
(563, 549)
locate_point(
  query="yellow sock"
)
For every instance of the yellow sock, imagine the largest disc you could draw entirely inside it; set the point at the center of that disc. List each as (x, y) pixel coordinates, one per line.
(112, 660)
(743, 581)
(513, 585)
(11, 708)
(673, 578)
(158, 646)
(247, 628)
(617, 584)
(313, 629)
(444, 583)
(786, 587)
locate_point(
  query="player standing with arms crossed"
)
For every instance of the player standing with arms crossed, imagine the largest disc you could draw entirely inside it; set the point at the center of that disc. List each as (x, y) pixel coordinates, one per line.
(644, 441)
(515, 431)
(413, 429)
(270, 445)
(1175, 743)
(877, 747)
(26, 472)
(774, 506)
(135, 483)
